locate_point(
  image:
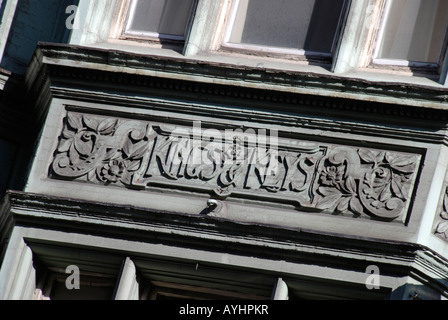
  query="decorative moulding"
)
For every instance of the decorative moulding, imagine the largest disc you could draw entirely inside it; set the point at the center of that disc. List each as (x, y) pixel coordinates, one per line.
(312, 176)
(70, 66)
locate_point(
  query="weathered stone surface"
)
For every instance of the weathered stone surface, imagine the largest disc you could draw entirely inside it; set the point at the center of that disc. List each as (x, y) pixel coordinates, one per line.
(313, 176)
(441, 229)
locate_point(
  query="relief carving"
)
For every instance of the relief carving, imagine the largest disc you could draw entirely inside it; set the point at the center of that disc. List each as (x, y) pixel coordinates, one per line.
(387, 187)
(364, 181)
(100, 149)
(442, 224)
(314, 177)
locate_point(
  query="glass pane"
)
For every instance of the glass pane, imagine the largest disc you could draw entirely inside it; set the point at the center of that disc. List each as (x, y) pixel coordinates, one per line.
(297, 24)
(169, 17)
(414, 30)
(86, 292)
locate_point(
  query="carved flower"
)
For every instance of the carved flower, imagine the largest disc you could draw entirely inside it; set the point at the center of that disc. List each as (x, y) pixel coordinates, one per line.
(80, 136)
(332, 176)
(112, 171)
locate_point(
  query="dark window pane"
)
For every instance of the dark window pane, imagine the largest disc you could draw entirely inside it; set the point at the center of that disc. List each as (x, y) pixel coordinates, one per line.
(414, 30)
(299, 24)
(165, 17)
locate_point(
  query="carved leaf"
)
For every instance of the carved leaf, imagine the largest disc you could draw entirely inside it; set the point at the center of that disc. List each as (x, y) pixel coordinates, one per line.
(401, 163)
(328, 202)
(356, 206)
(445, 201)
(328, 191)
(331, 197)
(367, 180)
(67, 133)
(133, 165)
(386, 194)
(107, 126)
(343, 204)
(111, 154)
(90, 123)
(128, 148)
(405, 169)
(73, 155)
(91, 175)
(74, 121)
(367, 155)
(350, 184)
(444, 215)
(380, 157)
(84, 148)
(398, 189)
(126, 178)
(64, 145)
(442, 227)
(140, 150)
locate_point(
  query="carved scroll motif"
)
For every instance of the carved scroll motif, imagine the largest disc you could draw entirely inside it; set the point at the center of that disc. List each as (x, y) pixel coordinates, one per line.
(362, 181)
(311, 176)
(442, 223)
(101, 149)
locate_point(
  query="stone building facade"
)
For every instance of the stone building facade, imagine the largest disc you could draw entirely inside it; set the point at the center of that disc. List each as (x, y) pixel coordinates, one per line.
(224, 150)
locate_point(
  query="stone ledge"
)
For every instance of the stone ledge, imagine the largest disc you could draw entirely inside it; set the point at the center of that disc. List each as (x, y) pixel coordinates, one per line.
(188, 69)
(38, 210)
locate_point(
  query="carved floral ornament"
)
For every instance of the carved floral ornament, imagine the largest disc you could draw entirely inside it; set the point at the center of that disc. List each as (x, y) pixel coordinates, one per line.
(442, 223)
(314, 177)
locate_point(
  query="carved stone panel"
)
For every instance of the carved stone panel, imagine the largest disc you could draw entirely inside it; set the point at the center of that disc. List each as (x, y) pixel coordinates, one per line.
(312, 176)
(441, 229)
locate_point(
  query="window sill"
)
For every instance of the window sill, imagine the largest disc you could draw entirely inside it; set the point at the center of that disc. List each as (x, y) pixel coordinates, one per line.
(172, 50)
(254, 72)
(379, 76)
(408, 73)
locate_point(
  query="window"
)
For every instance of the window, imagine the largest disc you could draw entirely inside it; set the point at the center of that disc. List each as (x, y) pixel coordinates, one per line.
(159, 290)
(94, 286)
(55, 265)
(304, 27)
(412, 33)
(158, 19)
(166, 280)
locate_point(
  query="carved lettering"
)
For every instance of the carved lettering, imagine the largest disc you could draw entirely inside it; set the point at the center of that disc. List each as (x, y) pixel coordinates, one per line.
(318, 177)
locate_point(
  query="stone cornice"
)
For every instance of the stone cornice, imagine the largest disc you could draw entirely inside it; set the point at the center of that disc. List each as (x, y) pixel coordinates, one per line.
(199, 88)
(49, 211)
(211, 233)
(309, 101)
(286, 82)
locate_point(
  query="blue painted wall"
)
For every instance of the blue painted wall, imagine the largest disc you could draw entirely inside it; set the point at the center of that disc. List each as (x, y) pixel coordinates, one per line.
(35, 21)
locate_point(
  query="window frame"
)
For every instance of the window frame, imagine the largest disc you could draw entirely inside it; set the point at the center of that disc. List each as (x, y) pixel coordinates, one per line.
(46, 289)
(157, 290)
(286, 53)
(400, 65)
(121, 32)
(102, 22)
